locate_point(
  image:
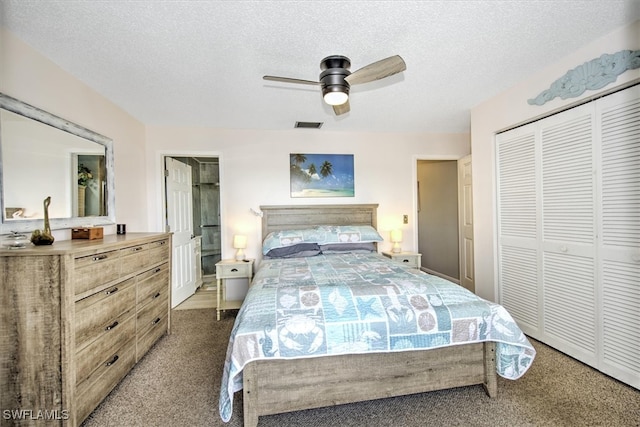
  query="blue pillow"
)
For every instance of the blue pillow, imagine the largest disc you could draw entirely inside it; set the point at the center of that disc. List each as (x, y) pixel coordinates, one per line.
(322, 234)
(300, 250)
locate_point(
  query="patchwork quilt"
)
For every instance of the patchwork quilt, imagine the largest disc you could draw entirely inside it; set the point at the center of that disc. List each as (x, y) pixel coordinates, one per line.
(358, 303)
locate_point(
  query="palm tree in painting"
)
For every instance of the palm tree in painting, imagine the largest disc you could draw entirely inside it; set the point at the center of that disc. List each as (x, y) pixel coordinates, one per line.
(312, 169)
(326, 169)
(298, 159)
(299, 178)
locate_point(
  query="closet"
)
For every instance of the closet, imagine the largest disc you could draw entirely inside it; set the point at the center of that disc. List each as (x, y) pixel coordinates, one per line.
(568, 195)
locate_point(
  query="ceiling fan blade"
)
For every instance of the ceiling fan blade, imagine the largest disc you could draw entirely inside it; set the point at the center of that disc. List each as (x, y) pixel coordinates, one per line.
(342, 108)
(377, 70)
(290, 80)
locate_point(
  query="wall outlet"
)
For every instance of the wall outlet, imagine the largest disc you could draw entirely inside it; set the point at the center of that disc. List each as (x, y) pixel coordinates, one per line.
(405, 219)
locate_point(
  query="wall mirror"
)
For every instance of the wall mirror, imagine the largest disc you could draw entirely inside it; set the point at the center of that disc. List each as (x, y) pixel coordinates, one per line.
(44, 155)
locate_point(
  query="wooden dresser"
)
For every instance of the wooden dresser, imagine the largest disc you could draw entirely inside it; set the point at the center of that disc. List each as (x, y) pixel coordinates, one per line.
(75, 317)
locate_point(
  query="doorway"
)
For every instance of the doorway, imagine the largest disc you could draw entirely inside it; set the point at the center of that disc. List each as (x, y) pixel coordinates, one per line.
(437, 213)
(206, 215)
(445, 219)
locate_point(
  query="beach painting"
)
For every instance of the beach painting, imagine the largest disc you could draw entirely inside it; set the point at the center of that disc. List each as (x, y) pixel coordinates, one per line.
(321, 175)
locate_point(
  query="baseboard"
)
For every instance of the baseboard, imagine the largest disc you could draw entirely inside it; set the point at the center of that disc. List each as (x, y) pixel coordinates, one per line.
(444, 276)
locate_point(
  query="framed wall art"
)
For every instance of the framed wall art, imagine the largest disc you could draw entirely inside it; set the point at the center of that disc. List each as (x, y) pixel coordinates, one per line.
(321, 175)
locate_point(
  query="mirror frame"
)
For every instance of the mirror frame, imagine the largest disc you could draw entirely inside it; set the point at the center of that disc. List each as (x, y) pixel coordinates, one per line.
(11, 104)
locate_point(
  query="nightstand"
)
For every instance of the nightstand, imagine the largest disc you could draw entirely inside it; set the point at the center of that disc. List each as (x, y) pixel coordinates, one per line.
(230, 269)
(411, 259)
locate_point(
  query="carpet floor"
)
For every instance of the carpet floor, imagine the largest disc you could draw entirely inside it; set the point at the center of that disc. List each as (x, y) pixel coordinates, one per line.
(178, 382)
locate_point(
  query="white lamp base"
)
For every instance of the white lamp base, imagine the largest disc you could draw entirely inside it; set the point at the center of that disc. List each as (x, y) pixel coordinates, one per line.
(396, 248)
(240, 255)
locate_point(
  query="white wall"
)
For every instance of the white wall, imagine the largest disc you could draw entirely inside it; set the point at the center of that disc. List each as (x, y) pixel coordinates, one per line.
(30, 77)
(254, 171)
(511, 108)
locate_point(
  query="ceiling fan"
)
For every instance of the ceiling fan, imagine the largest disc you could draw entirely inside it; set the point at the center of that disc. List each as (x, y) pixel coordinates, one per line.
(336, 79)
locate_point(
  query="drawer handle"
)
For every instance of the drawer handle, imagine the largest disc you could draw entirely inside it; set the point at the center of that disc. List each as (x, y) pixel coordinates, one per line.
(405, 260)
(112, 361)
(155, 322)
(156, 295)
(111, 291)
(163, 242)
(100, 257)
(157, 270)
(139, 248)
(111, 326)
(234, 270)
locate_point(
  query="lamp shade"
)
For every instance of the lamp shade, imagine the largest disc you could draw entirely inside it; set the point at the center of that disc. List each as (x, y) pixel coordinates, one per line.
(396, 236)
(239, 243)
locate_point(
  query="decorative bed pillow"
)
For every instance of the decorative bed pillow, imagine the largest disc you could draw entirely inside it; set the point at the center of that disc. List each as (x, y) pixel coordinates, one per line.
(283, 238)
(322, 234)
(354, 248)
(294, 251)
(347, 234)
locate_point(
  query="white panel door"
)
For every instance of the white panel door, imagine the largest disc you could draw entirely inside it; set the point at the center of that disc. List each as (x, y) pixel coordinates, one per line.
(568, 232)
(180, 222)
(465, 223)
(518, 270)
(619, 267)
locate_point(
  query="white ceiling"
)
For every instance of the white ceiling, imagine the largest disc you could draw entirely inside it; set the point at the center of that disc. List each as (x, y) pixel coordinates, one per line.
(200, 63)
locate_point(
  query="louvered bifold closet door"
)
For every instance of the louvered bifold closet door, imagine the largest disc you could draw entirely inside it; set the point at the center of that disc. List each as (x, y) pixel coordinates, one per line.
(517, 227)
(568, 232)
(620, 230)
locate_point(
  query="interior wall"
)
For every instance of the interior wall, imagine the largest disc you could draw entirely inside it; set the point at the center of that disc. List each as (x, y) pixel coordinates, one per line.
(254, 171)
(511, 108)
(30, 77)
(438, 217)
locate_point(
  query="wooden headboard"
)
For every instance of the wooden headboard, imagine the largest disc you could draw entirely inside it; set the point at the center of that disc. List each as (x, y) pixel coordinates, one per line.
(287, 217)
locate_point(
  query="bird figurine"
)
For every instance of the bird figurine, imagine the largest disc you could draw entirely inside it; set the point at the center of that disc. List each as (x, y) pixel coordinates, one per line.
(44, 237)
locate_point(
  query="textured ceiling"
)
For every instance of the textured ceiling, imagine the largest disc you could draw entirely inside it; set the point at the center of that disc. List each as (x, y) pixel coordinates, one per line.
(200, 63)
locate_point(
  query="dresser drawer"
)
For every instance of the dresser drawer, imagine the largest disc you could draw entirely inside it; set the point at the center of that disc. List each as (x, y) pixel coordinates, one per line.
(100, 351)
(149, 315)
(90, 392)
(133, 258)
(153, 285)
(101, 312)
(94, 270)
(146, 341)
(158, 251)
(227, 271)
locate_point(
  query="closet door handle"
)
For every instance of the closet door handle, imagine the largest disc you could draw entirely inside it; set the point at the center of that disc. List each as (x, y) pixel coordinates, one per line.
(155, 322)
(156, 295)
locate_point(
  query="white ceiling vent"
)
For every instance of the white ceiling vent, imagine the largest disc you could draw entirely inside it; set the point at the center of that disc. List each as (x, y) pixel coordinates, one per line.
(309, 125)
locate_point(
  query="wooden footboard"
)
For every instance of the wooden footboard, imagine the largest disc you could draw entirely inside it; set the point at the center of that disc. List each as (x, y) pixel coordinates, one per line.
(277, 386)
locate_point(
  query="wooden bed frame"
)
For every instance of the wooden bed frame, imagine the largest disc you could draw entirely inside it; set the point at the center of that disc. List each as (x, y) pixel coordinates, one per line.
(277, 386)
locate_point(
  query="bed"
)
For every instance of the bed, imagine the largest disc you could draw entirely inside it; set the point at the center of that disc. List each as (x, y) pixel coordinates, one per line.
(292, 347)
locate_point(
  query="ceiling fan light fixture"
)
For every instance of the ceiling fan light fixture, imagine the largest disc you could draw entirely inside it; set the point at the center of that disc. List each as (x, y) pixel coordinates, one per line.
(336, 98)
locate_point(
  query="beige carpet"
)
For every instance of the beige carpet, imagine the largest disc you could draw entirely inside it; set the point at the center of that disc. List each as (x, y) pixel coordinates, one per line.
(178, 384)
